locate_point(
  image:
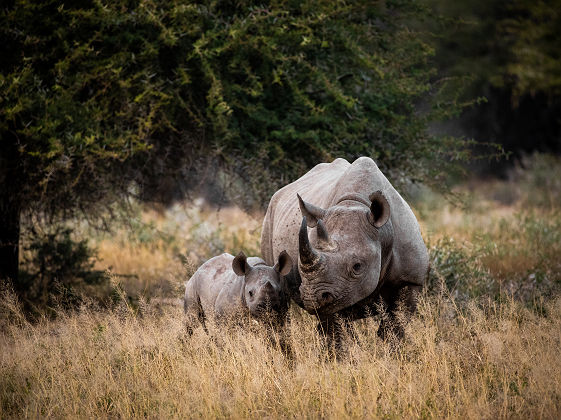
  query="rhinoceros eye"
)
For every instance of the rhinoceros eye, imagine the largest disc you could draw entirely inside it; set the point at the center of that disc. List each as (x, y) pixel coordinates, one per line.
(251, 293)
(357, 267)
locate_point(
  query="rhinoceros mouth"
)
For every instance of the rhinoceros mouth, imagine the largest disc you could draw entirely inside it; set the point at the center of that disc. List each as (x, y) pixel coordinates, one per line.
(313, 309)
(270, 312)
(318, 301)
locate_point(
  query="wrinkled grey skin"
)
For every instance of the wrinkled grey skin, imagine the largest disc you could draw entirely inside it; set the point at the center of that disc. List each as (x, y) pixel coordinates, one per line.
(356, 241)
(228, 289)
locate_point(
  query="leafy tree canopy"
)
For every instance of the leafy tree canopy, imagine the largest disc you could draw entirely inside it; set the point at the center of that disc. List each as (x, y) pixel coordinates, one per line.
(88, 85)
(97, 94)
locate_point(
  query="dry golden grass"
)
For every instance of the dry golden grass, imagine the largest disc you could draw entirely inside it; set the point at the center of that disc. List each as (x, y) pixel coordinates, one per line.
(485, 361)
(167, 246)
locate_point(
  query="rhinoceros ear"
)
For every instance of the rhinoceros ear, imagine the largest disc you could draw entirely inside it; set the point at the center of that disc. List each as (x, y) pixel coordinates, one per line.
(310, 212)
(284, 264)
(379, 208)
(240, 264)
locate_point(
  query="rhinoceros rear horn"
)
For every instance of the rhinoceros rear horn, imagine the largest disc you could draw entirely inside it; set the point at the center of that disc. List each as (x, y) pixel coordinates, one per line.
(323, 236)
(311, 212)
(240, 264)
(309, 257)
(379, 208)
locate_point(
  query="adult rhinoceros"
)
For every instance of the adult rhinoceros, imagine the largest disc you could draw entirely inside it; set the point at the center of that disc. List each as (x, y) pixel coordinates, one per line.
(364, 244)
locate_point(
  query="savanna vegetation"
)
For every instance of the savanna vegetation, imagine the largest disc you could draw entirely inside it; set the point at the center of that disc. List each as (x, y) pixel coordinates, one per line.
(483, 344)
(140, 138)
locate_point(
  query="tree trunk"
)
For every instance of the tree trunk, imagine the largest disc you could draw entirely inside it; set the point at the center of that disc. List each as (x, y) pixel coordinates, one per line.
(10, 207)
(9, 237)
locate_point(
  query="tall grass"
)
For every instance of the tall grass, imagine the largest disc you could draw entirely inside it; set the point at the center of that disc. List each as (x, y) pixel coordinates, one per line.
(485, 360)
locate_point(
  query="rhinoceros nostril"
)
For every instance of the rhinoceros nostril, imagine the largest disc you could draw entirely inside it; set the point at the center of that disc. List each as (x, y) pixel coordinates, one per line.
(326, 298)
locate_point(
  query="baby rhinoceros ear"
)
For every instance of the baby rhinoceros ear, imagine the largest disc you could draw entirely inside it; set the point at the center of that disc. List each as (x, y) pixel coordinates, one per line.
(240, 265)
(284, 264)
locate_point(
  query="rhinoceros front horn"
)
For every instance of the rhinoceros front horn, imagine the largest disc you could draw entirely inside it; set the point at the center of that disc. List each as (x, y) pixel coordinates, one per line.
(309, 257)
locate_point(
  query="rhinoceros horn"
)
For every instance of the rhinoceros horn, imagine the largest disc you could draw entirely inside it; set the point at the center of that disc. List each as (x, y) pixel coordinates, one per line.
(323, 236)
(309, 257)
(311, 212)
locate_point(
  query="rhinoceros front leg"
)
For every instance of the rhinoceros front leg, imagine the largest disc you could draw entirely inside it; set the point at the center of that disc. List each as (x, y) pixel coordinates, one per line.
(333, 329)
(401, 305)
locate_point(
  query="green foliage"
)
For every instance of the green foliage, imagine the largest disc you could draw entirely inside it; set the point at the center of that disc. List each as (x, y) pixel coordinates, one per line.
(100, 100)
(294, 84)
(533, 42)
(76, 99)
(93, 90)
(519, 258)
(58, 269)
(507, 53)
(458, 268)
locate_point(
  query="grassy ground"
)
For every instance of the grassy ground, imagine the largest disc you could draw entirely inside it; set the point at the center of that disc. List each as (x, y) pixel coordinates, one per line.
(485, 342)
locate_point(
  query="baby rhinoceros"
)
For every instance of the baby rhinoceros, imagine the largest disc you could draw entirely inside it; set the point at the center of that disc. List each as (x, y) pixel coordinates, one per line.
(227, 289)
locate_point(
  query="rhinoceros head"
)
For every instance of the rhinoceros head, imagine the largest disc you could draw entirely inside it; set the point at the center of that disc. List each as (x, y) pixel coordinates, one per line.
(264, 293)
(340, 264)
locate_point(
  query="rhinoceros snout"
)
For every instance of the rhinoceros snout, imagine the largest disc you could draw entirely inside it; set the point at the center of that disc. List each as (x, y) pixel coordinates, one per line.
(314, 301)
(326, 298)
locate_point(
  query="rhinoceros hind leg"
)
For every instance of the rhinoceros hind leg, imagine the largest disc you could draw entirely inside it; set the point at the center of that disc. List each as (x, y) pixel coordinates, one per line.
(193, 313)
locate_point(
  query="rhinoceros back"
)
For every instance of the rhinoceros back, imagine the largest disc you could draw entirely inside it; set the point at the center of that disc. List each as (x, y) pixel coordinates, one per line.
(213, 278)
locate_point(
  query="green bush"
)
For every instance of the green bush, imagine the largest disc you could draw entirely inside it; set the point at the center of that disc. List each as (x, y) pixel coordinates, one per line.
(519, 258)
(458, 268)
(58, 270)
